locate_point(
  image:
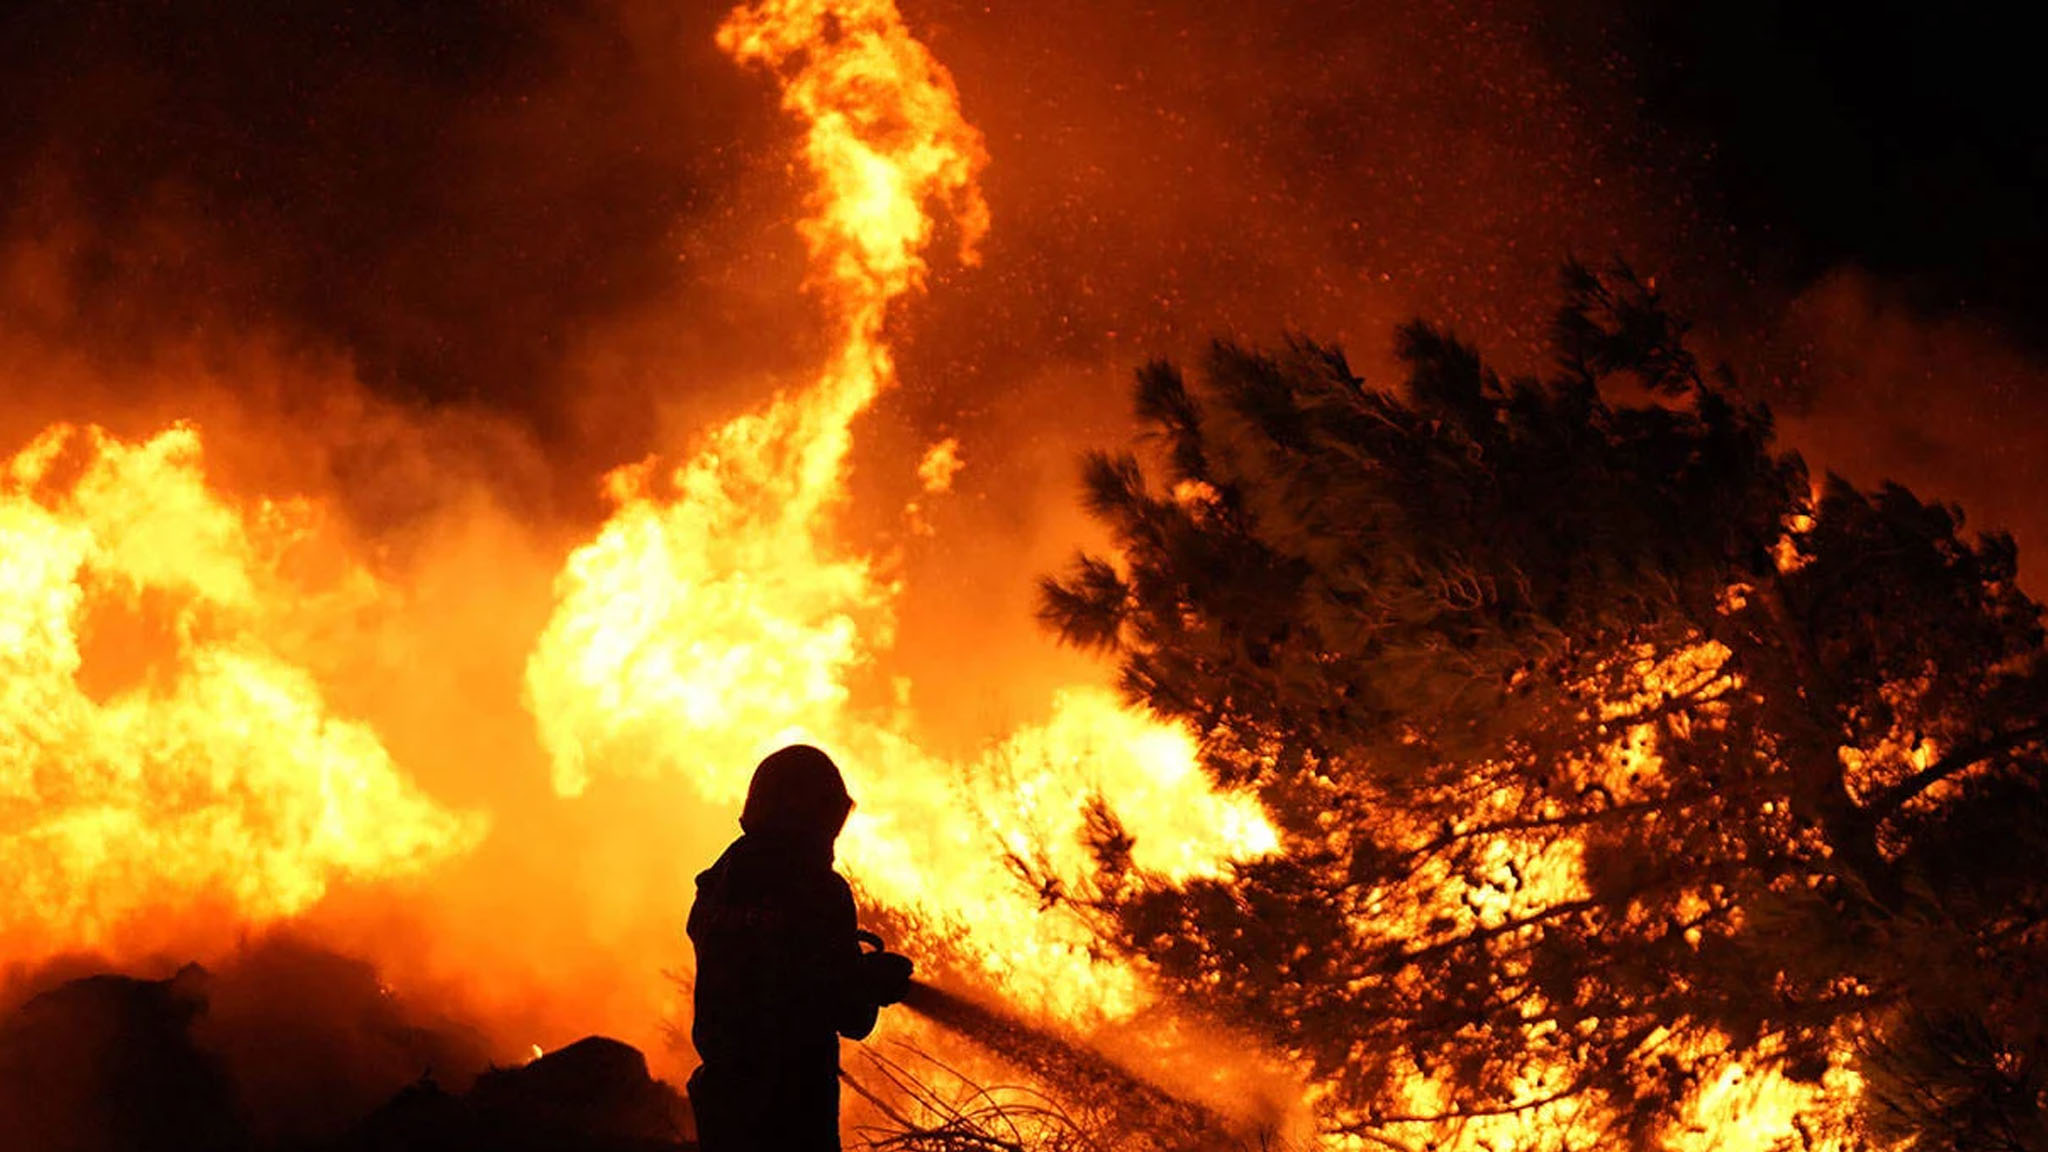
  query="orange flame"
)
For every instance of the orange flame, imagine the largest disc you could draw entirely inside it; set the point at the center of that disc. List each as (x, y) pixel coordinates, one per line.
(715, 617)
(211, 772)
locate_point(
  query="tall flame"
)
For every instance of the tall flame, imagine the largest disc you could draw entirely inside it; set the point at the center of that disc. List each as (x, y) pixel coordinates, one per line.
(712, 603)
(206, 770)
(715, 616)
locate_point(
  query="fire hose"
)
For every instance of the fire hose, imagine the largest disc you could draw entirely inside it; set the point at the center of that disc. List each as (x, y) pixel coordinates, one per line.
(1079, 1072)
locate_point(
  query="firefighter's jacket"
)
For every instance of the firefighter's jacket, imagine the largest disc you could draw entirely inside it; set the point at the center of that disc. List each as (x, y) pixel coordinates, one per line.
(779, 980)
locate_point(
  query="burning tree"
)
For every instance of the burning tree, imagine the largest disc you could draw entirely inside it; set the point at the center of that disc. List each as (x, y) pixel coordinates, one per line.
(1613, 759)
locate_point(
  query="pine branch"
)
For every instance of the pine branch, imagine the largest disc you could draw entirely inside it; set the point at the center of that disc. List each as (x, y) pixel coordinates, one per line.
(1888, 802)
(1482, 935)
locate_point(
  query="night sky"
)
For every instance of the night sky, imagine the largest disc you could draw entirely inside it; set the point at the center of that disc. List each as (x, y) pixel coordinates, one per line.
(576, 217)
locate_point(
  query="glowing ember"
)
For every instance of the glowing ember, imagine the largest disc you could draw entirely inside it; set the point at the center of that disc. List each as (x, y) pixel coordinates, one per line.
(940, 464)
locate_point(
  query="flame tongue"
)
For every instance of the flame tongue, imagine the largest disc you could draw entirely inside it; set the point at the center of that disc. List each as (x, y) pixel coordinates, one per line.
(713, 618)
(711, 613)
(884, 136)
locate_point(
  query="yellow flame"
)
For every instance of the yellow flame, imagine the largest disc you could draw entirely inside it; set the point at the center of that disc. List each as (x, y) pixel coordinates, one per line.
(212, 772)
(1742, 1107)
(714, 617)
(883, 137)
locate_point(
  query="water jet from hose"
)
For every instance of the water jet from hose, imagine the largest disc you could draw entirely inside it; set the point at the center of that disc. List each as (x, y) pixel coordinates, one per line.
(1082, 1075)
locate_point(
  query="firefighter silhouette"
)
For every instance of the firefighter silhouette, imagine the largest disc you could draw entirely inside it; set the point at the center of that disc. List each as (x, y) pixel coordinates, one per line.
(781, 973)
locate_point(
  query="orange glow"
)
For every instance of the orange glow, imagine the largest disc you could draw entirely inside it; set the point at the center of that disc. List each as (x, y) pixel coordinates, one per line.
(206, 771)
(175, 770)
(716, 616)
(940, 464)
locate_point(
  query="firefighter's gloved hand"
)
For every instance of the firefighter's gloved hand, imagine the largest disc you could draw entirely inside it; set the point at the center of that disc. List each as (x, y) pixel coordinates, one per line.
(886, 975)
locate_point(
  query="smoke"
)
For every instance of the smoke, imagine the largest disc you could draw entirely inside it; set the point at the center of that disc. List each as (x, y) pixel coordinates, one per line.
(578, 214)
(448, 194)
(1947, 405)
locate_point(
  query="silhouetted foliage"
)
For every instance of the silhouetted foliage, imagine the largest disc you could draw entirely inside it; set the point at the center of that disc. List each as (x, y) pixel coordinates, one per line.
(1605, 749)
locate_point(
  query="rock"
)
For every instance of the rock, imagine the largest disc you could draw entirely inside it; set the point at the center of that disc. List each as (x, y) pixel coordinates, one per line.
(593, 1096)
(111, 1064)
(108, 1064)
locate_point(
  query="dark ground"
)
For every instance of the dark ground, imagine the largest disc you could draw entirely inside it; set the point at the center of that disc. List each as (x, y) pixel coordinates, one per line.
(110, 1063)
